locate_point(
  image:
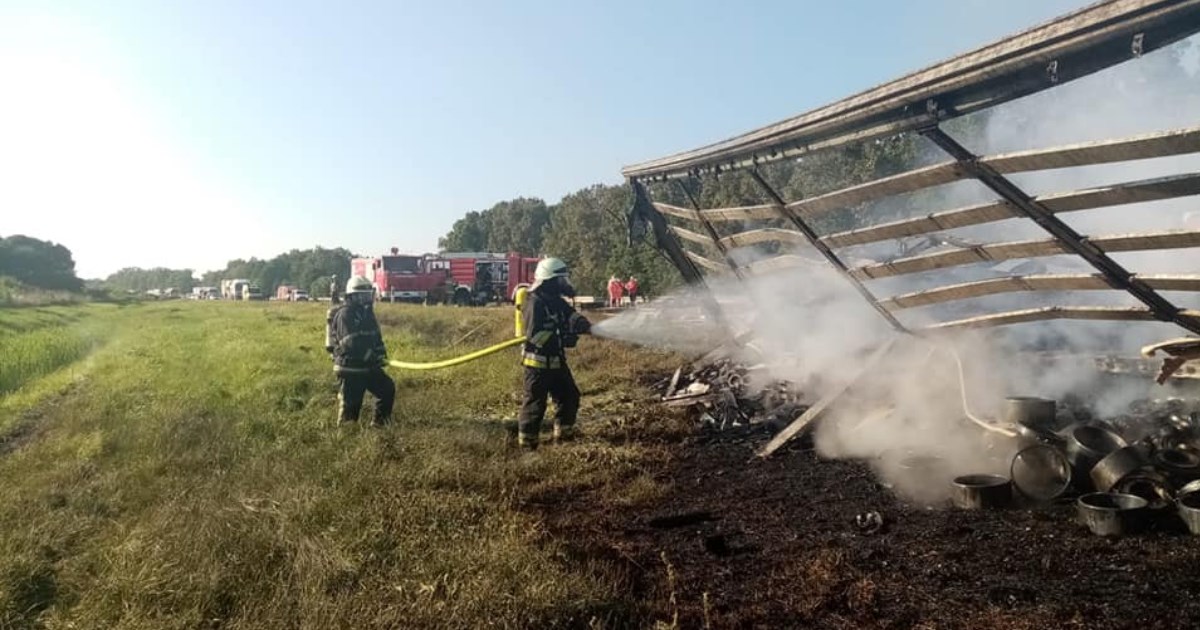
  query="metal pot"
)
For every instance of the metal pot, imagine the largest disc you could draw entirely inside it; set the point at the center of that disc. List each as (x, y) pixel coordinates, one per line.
(1116, 466)
(1029, 435)
(1111, 514)
(1040, 472)
(1182, 465)
(1189, 510)
(973, 492)
(1038, 413)
(1088, 444)
(1150, 485)
(1188, 488)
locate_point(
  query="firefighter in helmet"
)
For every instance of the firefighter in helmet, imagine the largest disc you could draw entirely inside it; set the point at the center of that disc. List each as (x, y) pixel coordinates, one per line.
(549, 326)
(359, 355)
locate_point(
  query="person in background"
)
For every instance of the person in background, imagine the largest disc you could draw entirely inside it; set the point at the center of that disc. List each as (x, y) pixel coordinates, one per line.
(631, 289)
(615, 289)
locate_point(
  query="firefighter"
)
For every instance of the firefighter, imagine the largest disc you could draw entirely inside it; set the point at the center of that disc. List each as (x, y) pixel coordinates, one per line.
(359, 355)
(550, 326)
(333, 289)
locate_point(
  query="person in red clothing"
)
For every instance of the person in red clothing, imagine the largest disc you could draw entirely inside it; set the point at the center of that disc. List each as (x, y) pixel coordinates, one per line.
(631, 289)
(615, 290)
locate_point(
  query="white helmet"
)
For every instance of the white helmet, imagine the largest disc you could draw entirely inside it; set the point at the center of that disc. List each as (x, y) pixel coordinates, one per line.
(358, 284)
(550, 268)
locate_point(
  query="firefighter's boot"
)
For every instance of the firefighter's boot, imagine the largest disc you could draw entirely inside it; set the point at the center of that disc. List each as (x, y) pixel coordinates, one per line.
(565, 433)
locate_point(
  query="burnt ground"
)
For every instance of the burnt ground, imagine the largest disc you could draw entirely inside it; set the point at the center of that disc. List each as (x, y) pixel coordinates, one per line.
(746, 543)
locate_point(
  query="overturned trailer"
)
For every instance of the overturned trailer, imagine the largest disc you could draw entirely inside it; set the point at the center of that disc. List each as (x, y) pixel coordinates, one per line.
(863, 226)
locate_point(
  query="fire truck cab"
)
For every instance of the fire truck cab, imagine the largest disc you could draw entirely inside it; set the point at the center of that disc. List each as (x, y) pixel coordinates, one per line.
(397, 277)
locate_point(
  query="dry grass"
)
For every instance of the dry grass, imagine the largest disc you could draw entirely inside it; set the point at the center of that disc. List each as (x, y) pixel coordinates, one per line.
(193, 478)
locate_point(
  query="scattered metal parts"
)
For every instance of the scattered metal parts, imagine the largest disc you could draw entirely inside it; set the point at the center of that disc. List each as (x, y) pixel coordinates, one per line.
(1115, 466)
(1188, 488)
(1033, 412)
(722, 392)
(869, 523)
(1112, 514)
(1088, 444)
(1188, 507)
(1150, 485)
(1040, 472)
(974, 492)
(1029, 435)
(1180, 464)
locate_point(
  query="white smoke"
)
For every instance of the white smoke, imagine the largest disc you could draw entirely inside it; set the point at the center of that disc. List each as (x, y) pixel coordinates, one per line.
(811, 327)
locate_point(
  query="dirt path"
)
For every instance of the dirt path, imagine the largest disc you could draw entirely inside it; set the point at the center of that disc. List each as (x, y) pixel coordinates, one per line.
(743, 544)
(29, 424)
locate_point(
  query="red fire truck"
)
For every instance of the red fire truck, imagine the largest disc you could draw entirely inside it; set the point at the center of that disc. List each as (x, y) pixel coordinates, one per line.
(484, 277)
(399, 278)
(465, 278)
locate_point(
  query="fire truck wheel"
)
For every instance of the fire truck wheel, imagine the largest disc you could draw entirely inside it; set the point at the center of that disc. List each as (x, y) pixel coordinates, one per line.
(462, 296)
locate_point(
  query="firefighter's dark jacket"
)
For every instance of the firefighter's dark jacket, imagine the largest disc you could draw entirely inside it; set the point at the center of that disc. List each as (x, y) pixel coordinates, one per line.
(357, 342)
(550, 326)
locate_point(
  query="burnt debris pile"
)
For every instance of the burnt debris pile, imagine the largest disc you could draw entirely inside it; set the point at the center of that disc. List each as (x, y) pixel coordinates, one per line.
(726, 394)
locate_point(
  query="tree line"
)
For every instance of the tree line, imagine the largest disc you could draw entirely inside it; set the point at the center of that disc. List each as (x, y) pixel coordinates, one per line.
(37, 263)
(585, 228)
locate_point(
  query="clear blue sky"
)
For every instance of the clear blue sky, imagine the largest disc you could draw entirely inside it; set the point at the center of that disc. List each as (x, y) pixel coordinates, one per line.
(184, 134)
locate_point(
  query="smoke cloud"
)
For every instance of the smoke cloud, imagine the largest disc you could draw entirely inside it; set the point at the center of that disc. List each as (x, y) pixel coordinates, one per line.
(908, 414)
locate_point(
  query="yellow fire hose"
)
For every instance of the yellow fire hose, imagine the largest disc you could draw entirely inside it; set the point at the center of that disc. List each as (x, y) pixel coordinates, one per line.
(437, 365)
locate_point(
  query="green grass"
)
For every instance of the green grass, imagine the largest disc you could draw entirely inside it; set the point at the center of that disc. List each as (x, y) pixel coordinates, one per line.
(192, 476)
(37, 341)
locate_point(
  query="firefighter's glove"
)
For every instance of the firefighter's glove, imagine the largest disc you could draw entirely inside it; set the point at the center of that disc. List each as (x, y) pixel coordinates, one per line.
(579, 325)
(570, 341)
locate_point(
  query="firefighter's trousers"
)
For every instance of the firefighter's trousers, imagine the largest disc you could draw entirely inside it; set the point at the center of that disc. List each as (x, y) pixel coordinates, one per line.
(352, 387)
(558, 384)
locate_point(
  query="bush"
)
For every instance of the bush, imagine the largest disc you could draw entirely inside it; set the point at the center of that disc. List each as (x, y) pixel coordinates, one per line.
(13, 293)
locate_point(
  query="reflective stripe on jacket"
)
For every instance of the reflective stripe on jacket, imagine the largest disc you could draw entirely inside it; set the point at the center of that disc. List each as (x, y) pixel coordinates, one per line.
(545, 320)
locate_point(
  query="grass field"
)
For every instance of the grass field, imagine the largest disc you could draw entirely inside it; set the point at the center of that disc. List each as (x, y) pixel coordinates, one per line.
(177, 465)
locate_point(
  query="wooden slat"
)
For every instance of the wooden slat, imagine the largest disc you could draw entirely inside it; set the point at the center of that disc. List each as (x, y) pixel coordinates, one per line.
(1034, 282)
(692, 236)
(1161, 144)
(1171, 282)
(1174, 239)
(742, 213)
(1152, 145)
(1106, 313)
(675, 211)
(710, 265)
(993, 286)
(918, 179)
(763, 235)
(1119, 194)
